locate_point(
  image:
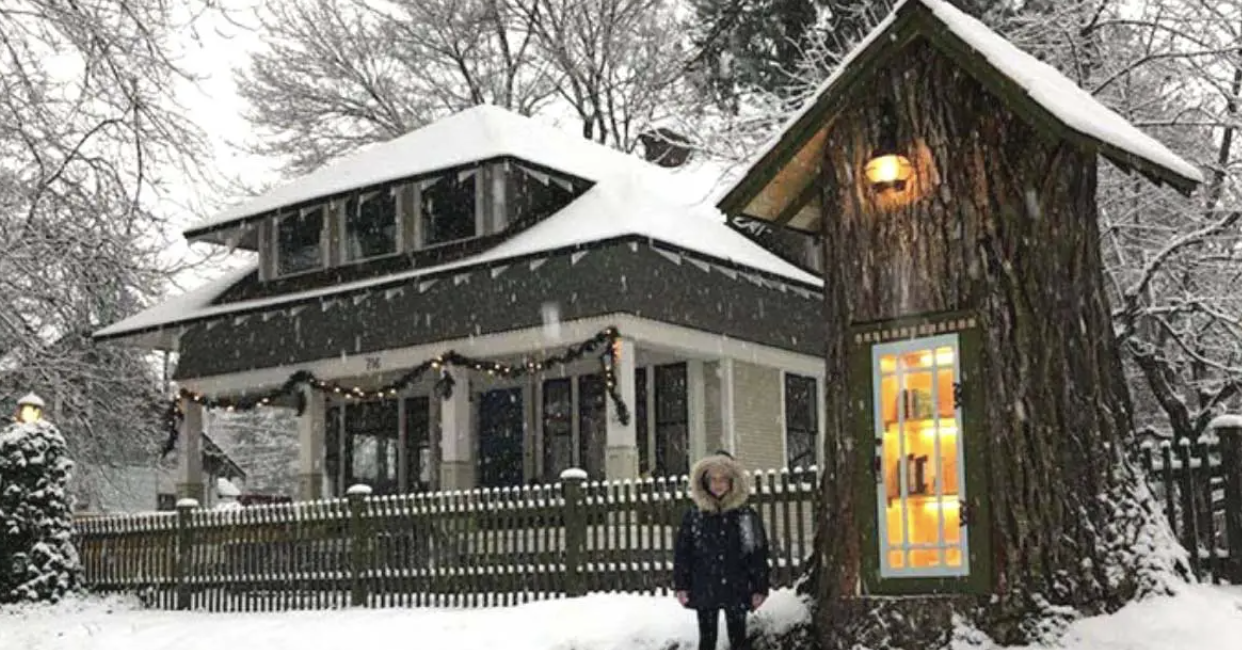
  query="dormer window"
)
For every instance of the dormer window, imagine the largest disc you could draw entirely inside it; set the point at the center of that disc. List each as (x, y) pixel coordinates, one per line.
(449, 208)
(299, 241)
(533, 194)
(371, 225)
(416, 221)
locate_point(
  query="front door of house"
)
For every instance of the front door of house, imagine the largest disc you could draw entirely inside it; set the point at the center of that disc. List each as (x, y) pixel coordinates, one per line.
(371, 434)
(501, 427)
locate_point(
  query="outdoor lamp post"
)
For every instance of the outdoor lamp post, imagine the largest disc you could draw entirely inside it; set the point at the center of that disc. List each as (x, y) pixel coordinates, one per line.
(888, 167)
(29, 409)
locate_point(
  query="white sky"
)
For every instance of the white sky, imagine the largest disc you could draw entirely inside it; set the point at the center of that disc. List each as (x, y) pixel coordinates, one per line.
(212, 53)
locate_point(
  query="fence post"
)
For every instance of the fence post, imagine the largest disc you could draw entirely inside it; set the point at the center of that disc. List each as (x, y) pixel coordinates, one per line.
(185, 544)
(1229, 429)
(575, 529)
(358, 543)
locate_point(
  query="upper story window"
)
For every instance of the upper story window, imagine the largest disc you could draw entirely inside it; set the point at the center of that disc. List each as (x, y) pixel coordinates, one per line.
(409, 215)
(299, 241)
(449, 208)
(371, 226)
(531, 194)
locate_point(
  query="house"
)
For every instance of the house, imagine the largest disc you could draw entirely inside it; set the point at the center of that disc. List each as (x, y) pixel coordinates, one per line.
(132, 488)
(488, 301)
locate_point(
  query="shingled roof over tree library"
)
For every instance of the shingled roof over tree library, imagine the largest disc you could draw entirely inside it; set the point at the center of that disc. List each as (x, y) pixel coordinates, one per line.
(778, 186)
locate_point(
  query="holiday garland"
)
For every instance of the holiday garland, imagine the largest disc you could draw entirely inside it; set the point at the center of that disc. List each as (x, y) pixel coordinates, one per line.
(607, 338)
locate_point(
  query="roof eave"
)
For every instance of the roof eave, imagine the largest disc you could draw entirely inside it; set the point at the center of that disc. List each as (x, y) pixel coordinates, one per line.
(156, 338)
(829, 100)
(1158, 174)
(1018, 100)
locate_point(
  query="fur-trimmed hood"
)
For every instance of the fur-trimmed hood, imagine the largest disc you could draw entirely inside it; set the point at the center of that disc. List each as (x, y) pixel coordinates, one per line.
(734, 499)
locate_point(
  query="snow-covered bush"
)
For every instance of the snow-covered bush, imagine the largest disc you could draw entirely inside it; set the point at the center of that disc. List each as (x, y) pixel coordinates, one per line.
(37, 559)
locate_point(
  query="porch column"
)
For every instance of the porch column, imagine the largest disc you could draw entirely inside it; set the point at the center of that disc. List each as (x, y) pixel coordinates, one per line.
(728, 432)
(311, 445)
(621, 459)
(456, 443)
(190, 453)
(696, 410)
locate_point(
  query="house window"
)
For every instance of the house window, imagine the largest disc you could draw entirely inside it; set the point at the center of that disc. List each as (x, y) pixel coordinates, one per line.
(371, 225)
(642, 429)
(532, 194)
(165, 502)
(592, 425)
(672, 426)
(448, 208)
(299, 241)
(558, 445)
(920, 455)
(801, 421)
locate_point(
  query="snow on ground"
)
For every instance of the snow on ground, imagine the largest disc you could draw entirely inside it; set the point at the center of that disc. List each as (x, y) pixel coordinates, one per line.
(596, 622)
(1200, 618)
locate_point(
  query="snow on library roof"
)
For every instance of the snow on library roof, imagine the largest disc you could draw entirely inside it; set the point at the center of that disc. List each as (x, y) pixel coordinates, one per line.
(475, 134)
(1074, 107)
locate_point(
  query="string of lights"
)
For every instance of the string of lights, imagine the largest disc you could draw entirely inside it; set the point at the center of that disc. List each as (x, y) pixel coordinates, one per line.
(607, 339)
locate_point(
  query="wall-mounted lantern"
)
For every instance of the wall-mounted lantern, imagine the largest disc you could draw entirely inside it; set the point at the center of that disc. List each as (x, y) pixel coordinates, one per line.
(888, 167)
(29, 409)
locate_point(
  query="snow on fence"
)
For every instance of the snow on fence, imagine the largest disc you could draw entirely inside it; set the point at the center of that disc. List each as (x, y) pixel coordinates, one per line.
(467, 548)
(1199, 485)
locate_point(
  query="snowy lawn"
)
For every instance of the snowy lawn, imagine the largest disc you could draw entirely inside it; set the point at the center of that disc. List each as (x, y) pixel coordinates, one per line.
(1201, 618)
(597, 622)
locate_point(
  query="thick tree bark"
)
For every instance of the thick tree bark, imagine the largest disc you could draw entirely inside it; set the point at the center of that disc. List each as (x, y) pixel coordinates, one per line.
(1000, 220)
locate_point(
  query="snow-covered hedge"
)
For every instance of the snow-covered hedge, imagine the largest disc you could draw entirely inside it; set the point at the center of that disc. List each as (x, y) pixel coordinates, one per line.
(37, 559)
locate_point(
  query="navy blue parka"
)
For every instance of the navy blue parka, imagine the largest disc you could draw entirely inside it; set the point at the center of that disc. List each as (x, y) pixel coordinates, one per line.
(721, 555)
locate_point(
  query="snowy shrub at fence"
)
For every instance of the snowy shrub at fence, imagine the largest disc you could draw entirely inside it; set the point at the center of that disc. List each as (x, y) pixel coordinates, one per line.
(37, 559)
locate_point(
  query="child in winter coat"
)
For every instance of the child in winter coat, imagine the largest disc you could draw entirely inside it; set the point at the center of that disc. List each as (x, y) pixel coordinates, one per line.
(721, 560)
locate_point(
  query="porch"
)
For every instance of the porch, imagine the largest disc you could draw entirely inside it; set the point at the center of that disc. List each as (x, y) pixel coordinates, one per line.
(684, 392)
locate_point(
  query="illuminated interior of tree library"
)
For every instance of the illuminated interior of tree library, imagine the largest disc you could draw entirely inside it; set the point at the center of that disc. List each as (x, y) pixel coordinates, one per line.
(921, 479)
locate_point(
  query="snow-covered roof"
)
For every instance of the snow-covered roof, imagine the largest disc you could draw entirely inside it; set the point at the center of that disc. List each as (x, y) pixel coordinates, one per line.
(625, 204)
(225, 488)
(475, 134)
(1074, 107)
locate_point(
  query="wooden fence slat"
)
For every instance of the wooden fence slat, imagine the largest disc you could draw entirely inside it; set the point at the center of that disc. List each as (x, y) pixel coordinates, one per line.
(646, 540)
(1190, 519)
(631, 575)
(1203, 500)
(1230, 436)
(787, 576)
(1170, 509)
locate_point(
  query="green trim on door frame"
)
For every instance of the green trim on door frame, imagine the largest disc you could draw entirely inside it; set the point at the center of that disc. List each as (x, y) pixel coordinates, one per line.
(862, 338)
